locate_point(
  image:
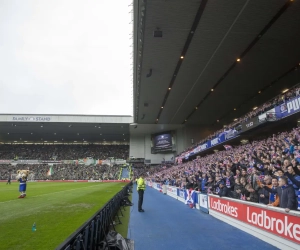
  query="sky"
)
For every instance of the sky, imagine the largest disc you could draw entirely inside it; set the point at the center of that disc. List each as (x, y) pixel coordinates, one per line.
(66, 57)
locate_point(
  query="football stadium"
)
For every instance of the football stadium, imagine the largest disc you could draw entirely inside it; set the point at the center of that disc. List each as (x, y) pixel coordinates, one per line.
(150, 124)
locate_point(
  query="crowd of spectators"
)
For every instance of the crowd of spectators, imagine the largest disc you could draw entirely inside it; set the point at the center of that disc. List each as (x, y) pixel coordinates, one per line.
(62, 152)
(265, 171)
(63, 172)
(280, 99)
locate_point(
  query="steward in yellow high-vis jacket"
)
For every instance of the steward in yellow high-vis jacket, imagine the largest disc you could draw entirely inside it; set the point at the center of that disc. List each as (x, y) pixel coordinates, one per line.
(141, 186)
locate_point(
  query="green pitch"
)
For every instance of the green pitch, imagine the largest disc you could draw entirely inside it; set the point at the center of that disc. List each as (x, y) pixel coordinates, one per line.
(58, 209)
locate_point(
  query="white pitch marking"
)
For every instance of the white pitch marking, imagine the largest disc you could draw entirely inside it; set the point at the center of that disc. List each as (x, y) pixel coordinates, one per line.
(48, 194)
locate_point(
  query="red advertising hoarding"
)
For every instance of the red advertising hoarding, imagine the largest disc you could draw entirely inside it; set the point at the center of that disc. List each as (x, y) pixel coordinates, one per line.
(282, 224)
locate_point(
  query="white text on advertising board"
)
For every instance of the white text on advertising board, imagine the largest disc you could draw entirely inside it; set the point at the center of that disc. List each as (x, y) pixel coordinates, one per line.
(225, 208)
(293, 105)
(285, 227)
(250, 124)
(214, 141)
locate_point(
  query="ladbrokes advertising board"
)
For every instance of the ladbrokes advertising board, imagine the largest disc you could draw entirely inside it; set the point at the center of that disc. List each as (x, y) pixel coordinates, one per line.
(282, 224)
(172, 191)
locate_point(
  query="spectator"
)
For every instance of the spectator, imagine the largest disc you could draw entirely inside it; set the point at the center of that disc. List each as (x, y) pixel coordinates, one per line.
(286, 194)
(252, 194)
(262, 193)
(202, 183)
(224, 191)
(229, 180)
(292, 175)
(274, 198)
(238, 189)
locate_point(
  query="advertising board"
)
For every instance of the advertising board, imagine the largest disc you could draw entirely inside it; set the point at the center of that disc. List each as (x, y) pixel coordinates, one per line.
(172, 191)
(279, 223)
(203, 202)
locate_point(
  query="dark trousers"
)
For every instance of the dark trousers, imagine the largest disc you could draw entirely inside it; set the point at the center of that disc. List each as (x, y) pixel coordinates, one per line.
(141, 197)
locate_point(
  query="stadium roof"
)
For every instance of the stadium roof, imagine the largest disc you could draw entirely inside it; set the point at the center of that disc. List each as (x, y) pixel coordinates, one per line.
(73, 129)
(64, 128)
(203, 61)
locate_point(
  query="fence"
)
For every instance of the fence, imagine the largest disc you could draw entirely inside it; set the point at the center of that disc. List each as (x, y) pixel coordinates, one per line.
(94, 231)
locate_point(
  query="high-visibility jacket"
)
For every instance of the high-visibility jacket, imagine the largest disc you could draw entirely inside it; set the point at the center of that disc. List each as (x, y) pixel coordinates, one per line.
(141, 184)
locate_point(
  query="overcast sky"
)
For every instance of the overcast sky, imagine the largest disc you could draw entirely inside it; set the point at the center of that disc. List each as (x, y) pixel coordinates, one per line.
(65, 57)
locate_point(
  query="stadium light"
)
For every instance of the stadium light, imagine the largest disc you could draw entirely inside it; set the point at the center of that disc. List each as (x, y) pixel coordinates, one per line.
(286, 90)
(254, 108)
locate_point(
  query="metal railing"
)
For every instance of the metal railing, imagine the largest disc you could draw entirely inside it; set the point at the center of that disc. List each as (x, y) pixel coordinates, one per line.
(93, 232)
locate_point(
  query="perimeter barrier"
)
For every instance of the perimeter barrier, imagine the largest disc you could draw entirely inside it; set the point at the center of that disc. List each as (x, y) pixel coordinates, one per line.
(270, 224)
(93, 233)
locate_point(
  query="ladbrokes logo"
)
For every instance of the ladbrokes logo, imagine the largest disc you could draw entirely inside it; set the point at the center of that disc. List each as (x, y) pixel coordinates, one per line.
(284, 227)
(224, 208)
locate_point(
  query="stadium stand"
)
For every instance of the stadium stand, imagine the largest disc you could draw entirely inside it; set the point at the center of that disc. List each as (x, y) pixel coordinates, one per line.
(64, 172)
(62, 152)
(243, 172)
(38, 156)
(276, 101)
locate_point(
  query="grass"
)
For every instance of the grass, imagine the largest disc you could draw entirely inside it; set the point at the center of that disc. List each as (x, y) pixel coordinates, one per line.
(123, 228)
(58, 209)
